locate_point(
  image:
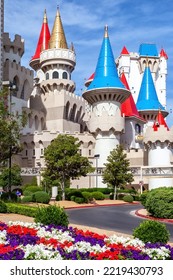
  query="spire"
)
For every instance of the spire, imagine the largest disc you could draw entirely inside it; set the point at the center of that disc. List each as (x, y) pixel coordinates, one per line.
(128, 107)
(57, 39)
(43, 38)
(147, 98)
(159, 121)
(124, 51)
(106, 72)
(163, 54)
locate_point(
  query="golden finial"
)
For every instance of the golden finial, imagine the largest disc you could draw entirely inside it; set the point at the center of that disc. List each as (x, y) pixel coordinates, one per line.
(57, 39)
(106, 31)
(45, 17)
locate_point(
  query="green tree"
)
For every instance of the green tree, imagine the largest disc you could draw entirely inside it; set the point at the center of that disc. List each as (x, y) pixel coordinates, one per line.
(117, 169)
(10, 127)
(16, 179)
(64, 162)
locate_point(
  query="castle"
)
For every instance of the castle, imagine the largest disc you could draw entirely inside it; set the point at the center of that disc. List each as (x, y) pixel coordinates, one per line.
(124, 102)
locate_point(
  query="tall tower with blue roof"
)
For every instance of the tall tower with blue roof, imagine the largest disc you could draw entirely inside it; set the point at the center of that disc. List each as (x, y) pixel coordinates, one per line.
(148, 103)
(105, 95)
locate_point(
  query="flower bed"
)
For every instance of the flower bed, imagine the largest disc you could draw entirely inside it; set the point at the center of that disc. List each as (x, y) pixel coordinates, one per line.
(31, 241)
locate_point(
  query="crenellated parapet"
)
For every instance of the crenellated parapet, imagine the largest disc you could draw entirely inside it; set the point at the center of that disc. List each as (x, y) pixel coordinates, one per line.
(57, 56)
(17, 45)
(161, 135)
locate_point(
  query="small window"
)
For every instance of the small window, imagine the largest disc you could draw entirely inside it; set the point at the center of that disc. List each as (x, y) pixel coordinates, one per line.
(55, 75)
(64, 75)
(80, 151)
(47, 76)
(137, 128)
(26, 153)
(42, 152)
(89, 152)
(33, 152)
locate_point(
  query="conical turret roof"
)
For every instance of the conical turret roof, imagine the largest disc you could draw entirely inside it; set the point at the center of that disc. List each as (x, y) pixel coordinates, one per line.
(159, 121)
(106, 73)
(58, 39)
(44, 37)
(147, 98)
(124, 51)
(128, 107)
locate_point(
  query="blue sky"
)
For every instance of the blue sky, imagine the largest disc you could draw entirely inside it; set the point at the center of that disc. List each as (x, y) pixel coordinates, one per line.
(130, 24)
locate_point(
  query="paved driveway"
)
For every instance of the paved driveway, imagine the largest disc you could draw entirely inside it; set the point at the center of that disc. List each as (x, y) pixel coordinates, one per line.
(117, 218)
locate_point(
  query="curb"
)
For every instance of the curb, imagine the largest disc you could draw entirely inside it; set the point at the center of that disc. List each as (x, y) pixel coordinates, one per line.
(170, 221)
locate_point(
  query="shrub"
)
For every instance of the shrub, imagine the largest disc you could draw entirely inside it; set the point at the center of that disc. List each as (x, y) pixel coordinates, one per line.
(9, 197)
(152, 231)
(76, 193)
(159, 202)
(98, 195)
(128, 198)
(27, 193)
(26, 199)
(88, 196)
(3, 207)
(32, 189)
(41, 197)
(51, 215)
(143, 197)
(79, 199)
(21, 209)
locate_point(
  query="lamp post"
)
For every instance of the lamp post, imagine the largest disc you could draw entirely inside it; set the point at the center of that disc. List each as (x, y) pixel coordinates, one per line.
(96, 157)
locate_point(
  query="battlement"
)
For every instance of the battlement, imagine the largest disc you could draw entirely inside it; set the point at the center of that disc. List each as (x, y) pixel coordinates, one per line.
(17, 67)
(17, 44)
(161, 135)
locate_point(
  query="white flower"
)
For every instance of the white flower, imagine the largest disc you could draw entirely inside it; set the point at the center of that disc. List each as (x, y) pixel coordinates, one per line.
(39, 252)
(3, 236)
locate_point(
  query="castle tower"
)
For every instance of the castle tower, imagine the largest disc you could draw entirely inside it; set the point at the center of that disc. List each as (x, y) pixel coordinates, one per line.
(105, 95)
(148, 103)
(161, 78)
(124, 62)
(56, 62)
(133, 136)
(158, 141)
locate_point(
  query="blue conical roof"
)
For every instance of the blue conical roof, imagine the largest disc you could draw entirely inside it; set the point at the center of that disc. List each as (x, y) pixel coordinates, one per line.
(106, 73)
(147, 98)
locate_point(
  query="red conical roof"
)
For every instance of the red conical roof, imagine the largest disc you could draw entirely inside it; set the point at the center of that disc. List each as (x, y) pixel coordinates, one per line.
(128, 107)
(90, 79)
(163, 53)
(44, 37)
(159, 121)
(124, 51)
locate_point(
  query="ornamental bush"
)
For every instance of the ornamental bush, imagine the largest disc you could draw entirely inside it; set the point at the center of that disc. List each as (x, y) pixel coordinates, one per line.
(87, 196)
(128, 198)
(41, 197)
(3, 207)
(51, 215)
(98, 195)
(159, 202)
(21, 209)
(152, 231)
(26, 199)
(143, 197)
(31, 189)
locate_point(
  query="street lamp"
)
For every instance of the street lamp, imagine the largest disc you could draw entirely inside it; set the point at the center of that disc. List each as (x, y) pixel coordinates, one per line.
(11, 87)
(96, 157)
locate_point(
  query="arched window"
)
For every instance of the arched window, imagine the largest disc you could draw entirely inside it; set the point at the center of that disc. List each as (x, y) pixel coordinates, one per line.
(47, 76)
(64, 75)
(55, 75)
(137, 128)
